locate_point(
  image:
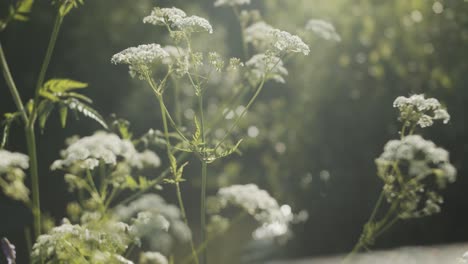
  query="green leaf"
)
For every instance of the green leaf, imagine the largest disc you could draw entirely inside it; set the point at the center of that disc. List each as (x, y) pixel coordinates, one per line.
(20, 17)
(86, 110)
(80, 97)
(25, 6)
(63, 85)
(130, 182)
(44, 109)
(197, 135)
(49, 96)
(63, 115)
(6, 133)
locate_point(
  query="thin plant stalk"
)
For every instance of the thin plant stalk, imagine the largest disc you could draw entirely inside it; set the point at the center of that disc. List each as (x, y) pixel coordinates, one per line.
(204, 166)
(179, 193)
(168, 148)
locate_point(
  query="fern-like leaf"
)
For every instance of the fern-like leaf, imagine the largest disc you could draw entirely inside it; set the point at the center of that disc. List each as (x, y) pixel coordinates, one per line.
(63, 85)
(85, 110)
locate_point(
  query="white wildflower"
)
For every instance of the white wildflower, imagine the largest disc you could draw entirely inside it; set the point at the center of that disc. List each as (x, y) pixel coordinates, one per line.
(152, 258)
(274, 219)
(259, 35)
(158, 223)
(12, 175)
(323, 29)
(193, 24)
(417, 110)
(140, 59)
(417, 159)
(266, 66)
(9, 160)
(231, 2)
(88, 152)
(164, 16)
(284, 42)
(61, 244)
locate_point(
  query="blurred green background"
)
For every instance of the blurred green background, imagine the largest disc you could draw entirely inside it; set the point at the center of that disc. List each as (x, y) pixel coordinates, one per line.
(318, 133)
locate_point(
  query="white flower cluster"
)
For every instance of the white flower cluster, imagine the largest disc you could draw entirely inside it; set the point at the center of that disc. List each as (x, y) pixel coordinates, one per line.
(417, 110)
(163, 16)
(193, 24)
(156, 222)
(285, 42)
(266, 66)
(178, 20)
(274, 219)
(12, 175)
(75, 244)
(231, 2)
(408, 168)
(259, 35)
(140, 59)
(88, 152)
(152, 258)
(323, 29)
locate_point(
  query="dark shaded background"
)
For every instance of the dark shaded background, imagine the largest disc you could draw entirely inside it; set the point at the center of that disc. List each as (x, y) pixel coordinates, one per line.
(333, 115)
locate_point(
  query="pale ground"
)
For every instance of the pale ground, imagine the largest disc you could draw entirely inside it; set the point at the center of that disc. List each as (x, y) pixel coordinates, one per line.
(446, 254)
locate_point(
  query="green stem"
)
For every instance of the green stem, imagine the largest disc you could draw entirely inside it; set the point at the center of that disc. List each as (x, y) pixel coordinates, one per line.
(184, 217)
(32, 152)
(204, 166)
(179, 193)
(234, 125)
(12, 86)
(203, 211)
(204, 245)
(46, 62)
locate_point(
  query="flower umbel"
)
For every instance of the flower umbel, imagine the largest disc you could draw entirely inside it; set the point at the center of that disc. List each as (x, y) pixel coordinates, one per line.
(417, 110)
(141, 59)
(413, 170)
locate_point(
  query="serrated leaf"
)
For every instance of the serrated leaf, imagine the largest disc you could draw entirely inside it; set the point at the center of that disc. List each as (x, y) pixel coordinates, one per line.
(86, 110)
(63, 85)
(63, 110)
(44, 109)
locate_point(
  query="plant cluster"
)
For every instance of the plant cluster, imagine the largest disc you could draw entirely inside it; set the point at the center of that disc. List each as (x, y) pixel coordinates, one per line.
(118, 217)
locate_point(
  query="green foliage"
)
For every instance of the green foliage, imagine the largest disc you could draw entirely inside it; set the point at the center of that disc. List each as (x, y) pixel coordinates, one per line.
(18, 12)
(6, 123)
(65, 6)
(60, 93)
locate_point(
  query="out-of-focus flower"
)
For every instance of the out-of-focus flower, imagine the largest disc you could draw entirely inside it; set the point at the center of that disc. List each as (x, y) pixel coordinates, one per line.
(417, 110)
(12, 166)
(323, 29)
(156, 222)
(408, 168)
(274, 219)
(231, 2)
(266, 66)
(152, 258)
(88, 152)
